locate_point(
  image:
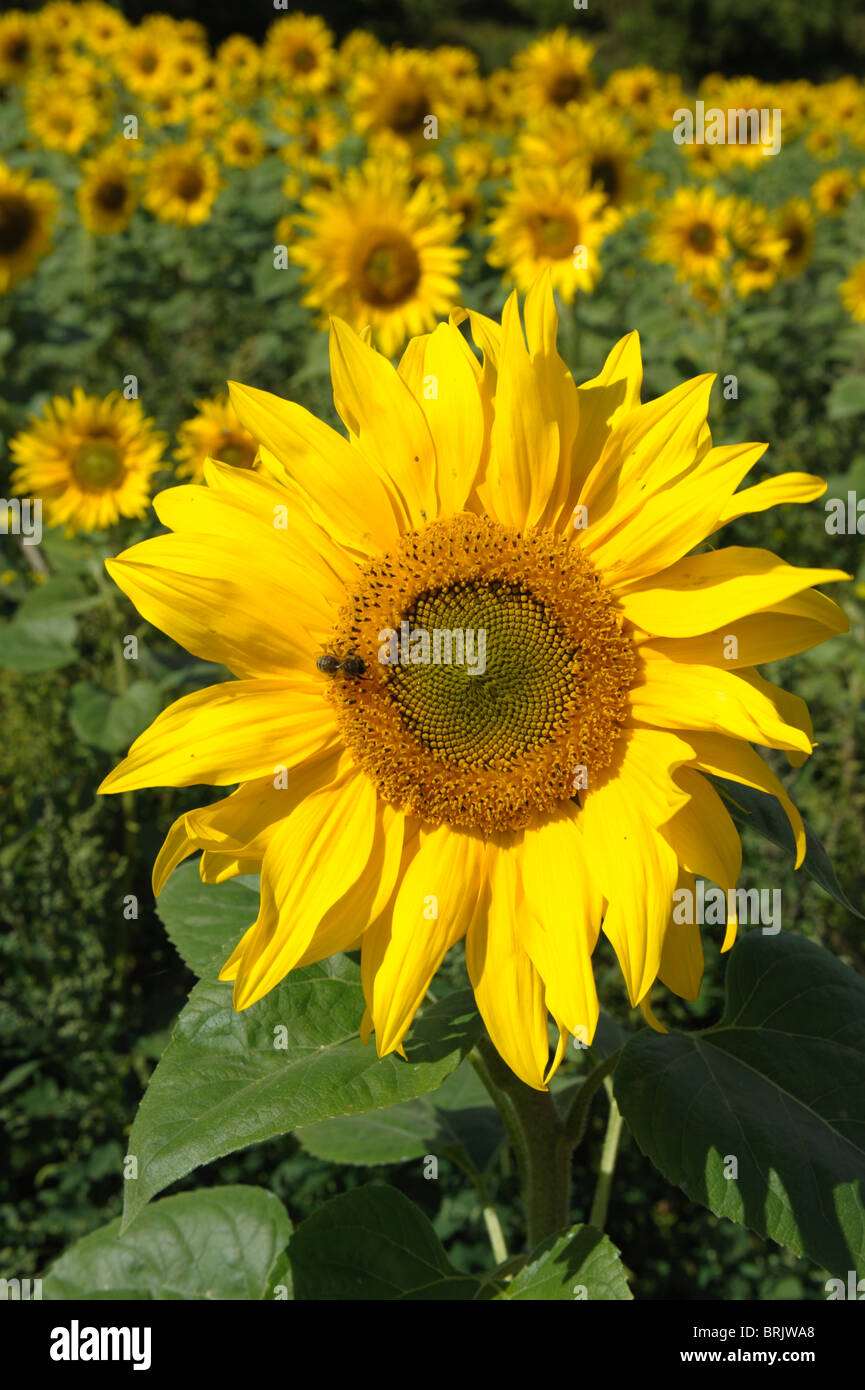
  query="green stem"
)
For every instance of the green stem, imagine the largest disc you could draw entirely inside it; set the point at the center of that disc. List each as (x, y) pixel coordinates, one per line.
(598, 1214)
(578, 1111)
(538, 1141)
(496, 1234)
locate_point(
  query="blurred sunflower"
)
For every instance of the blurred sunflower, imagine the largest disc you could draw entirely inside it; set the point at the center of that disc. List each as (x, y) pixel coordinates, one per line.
(103, 29)
(761, 250)
(242, 144)
(421, 783)
(214, 432)
(189, 67)
(90, 459)
(237, 64)
(647, 97)
(555, 70)
(377, 253)
(690, 232)
(62, 119)
(591, 137)
(106, 196)
(795, 223)
(143, 62)
(394, 93)
(833, 191)
(181, 184)
(165, 108)
(27, 211)
(206, 112)
(298, 53)
(853, 292)
(19, 46)
(551, 218)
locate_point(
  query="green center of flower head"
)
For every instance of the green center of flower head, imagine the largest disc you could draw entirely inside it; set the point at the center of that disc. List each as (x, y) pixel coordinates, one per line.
(16, 224)
(97, 465)
(389, 271)
(495, 673)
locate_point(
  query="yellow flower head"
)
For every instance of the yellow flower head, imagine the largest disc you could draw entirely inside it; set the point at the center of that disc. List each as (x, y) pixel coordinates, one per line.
(761, 248)
(103, 28)
(853, 292)
(690, 233)
(543, 677)
(62, 118)
(795, 223)
(181, 184)
(27, 211)
(107, 195)
(378, 254)
(395, 93)
(89, 459)
(554, 71)
(242, 145)
(20, 50)
(551, 218)
(215, 433)
(298, 53)
(833, 191)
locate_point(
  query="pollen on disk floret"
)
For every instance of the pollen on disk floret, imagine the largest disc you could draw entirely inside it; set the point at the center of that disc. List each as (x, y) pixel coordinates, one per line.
(487, 750)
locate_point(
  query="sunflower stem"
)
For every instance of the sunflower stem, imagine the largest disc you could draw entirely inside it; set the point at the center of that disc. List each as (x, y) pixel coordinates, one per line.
(598, 1214)
(578, 1111)
(537, 1139)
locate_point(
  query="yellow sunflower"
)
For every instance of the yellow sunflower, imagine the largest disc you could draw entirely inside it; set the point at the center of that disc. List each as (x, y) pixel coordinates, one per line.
(206, 111)
(19, 46)
(550, 217)
(215, 433)
(242, 144)
(62, 118)
(27, 211)
(592, 137)
(393, 95)
(761, 250)
(554, 71)
(89, 459)
(795, 223)
(143, 62)
(103, 29)
(237, 64)
(181, 184)
(379, 254)
(691, 233)
(298, 53)
(853, 292)
(107, 196)
(518, 804)
(833, 191)
(647, 97)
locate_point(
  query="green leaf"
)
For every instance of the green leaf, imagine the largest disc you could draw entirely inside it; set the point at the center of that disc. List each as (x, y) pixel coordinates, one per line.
(112, 722)
(457, 1122)
(216, 1243)
(205, 920)
(779, 1086)
(847, 397)
(763, 813)
(579, 1264)
(230, 1079)
(38, 645)
(373, 1243)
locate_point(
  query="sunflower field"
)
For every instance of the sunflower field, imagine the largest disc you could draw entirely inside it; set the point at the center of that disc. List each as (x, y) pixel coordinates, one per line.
(432, 717)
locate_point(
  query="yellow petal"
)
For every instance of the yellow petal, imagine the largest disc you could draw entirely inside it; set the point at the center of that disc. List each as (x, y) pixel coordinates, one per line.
(772, 492)
(788, 627)
(681, 968)
(738, 762)
(452, 405)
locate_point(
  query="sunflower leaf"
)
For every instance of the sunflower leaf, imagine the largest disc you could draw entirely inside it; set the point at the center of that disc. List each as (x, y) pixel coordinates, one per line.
(205, 921)
(216, 1243)
(762, 1117)
(763, 813)
(373, 1243)
(579, 1264)
(230, 1079)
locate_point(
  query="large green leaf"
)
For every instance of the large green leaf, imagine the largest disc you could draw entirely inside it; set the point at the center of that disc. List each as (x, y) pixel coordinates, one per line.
(38, 645)
(205, 921)
(373, 1243)
(778, 1086)
(579, 1264)
(763, 813)
(457, 1122)
(230, 1079)
(216, 1243)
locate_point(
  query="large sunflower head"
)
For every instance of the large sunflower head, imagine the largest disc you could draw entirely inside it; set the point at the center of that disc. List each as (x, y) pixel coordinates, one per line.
(181, 184)
(379, 253)
(213, 432)
(483, 665)
(90, 459)
(27, 211)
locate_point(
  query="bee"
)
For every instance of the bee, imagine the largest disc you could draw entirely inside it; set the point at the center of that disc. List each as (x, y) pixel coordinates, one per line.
(351, 665)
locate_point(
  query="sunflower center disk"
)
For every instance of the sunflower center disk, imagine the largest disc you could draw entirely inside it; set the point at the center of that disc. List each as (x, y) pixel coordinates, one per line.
(16, 224)
(497, 674)
(97, 465)
(389, 271)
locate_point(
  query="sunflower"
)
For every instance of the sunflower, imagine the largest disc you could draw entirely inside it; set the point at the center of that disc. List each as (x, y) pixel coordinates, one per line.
(143, 62)
(298, 53)
(106, 196)
(553, 71)
(189, 67)
(216, 433)
(853, 292)
(242, 145)
(181, 184)
(19, 46)
(27, 210)
(833, 191)
(760, 246)
(550, 217)
(89, 459)
(647, 97)
(393, 95)
(237, 64)
(690, 232)
(167, 108)
(795, 223)
(377, 253)
(103, 29)
(420, 804)
(62, 118)
(206, 111)
(592, 137)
